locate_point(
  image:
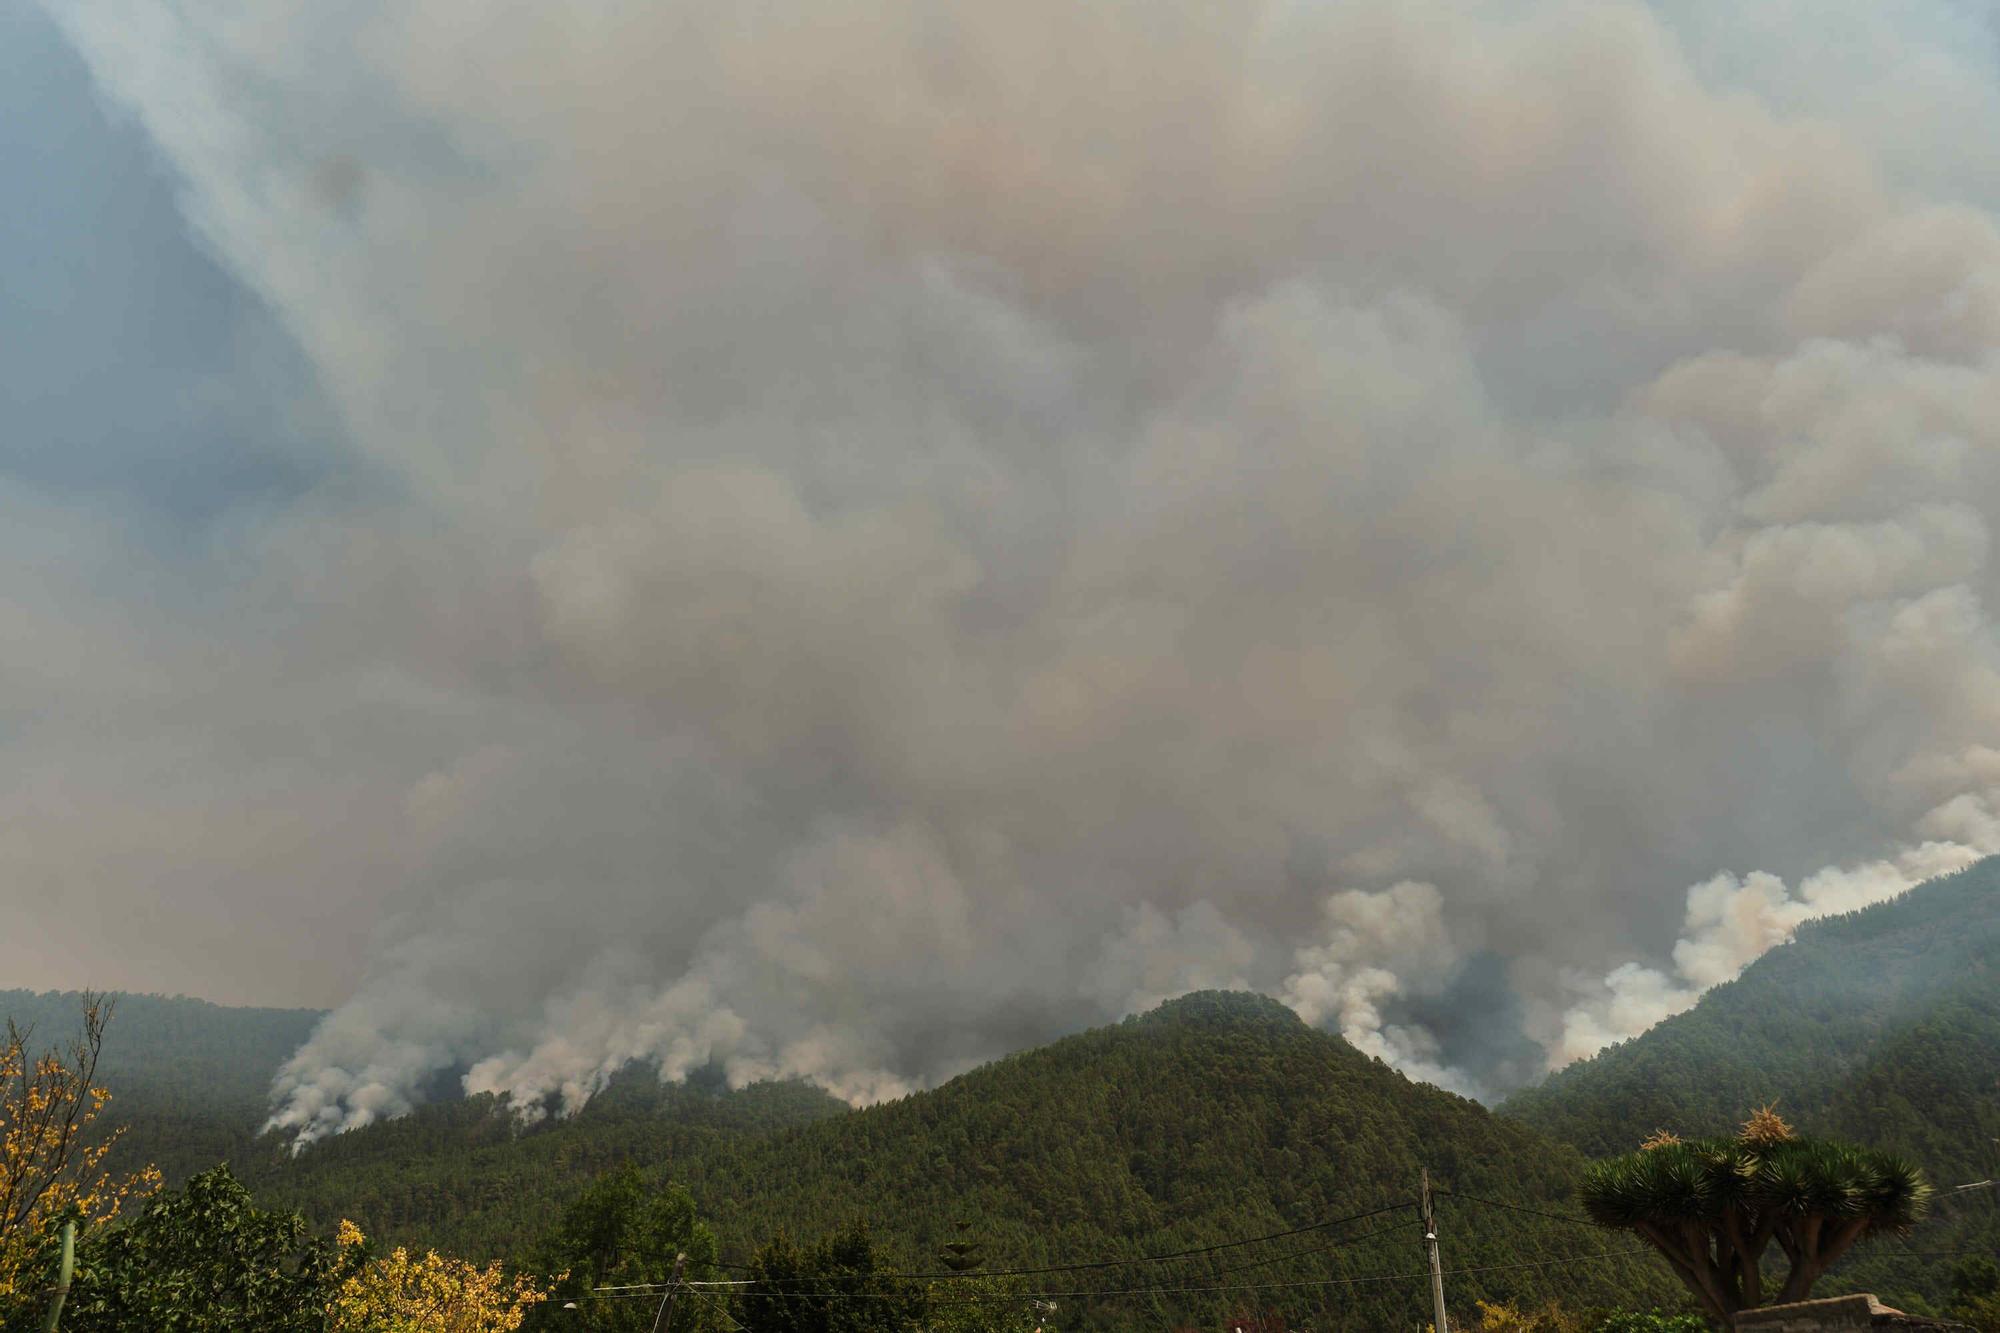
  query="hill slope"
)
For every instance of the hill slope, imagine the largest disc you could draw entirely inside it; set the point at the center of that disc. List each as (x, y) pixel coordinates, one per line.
(1881, 1025)
(1213, 1118)
(190, 1080)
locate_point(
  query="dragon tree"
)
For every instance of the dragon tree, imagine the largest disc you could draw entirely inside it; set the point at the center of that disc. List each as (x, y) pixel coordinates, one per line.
(1713, 1207)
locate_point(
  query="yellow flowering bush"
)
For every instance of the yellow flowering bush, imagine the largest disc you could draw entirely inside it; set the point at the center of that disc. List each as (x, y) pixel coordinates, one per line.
(51, 1164)
(404, 1293)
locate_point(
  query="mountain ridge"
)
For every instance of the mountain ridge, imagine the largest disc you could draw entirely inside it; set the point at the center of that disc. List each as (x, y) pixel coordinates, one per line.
(1880, 1025)
(1212, 1117)
(190, 1079)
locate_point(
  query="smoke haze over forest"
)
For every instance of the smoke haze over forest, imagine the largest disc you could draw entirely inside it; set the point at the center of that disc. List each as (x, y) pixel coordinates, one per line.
(843, 541)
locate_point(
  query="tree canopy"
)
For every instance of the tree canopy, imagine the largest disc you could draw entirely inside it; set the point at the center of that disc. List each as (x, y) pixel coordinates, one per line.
(52, 1150)
(202, 1259)
(624, 1231)
(404, 1292)
(1713, 1207)
(1214, 1117)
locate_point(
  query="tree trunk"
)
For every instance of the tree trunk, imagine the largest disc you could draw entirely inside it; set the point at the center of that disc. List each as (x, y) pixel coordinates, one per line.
(1760, 1241)
(1745, 1281)
(1694, 1271)
(1842, 1240)
(1817, 1253)
(1799, 1283)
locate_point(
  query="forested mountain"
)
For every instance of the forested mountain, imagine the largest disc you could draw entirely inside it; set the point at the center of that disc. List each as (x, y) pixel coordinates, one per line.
(467, 1175)
(1881, 1025)
(190, 1080)
(1213, 1118)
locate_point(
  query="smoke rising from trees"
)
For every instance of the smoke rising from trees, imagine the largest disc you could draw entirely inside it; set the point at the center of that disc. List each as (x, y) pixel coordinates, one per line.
(897, 531)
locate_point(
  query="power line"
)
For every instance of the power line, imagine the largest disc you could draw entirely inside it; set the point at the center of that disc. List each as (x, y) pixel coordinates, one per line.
(1552, 1263)
(1316, 1250)
(1956, 1190)
(708, 1289)
(1536, 1238)
(711, 1288)
(721, 1307)
(1095, 1293)
(1530, 1235)
(660, 1320)
(1092, 1293)
(1519, 1208)
(1325, 1299)
(1097, 1264)
(1423, 1273)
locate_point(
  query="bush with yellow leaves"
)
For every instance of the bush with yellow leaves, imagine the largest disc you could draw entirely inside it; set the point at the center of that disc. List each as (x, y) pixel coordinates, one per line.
(404, 1293)
(1501, 1317)
(51, 1163)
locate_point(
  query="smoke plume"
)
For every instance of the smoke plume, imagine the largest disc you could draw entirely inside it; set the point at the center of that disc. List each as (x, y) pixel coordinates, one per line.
(908, 529)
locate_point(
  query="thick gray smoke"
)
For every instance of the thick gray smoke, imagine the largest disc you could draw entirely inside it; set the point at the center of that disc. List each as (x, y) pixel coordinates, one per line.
(945, 523)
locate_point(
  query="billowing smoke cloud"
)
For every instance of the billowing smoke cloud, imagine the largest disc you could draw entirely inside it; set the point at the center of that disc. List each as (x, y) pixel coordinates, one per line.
(1378, 946)
(945, 523)
(1730, 923)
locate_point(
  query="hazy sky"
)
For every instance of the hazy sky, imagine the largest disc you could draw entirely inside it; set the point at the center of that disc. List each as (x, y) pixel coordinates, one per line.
(842, 539)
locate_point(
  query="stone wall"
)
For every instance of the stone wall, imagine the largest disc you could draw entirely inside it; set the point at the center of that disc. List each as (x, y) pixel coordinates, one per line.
(1835, 1314)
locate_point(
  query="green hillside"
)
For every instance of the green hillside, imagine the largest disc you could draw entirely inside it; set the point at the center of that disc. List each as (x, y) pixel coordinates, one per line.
(1215, 1117)
(467, 1176)
(1881, 1025)
(190, 1080)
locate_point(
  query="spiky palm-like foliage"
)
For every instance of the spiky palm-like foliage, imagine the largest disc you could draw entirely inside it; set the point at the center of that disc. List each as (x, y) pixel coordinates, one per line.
(1714, 1206)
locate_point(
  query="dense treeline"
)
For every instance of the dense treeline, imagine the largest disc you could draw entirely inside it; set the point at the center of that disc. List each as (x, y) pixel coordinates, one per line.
(1869, 1017)
(193, 1079)
(1186, 1168)
(469, 1175)
(206, 1258)
(1213, 1118)
(1881, 1026)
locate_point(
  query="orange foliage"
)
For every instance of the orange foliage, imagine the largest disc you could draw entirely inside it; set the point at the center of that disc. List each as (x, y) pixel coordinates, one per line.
(51, 1164)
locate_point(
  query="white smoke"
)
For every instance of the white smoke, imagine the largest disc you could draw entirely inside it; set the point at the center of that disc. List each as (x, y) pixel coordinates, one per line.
(1158, 957)
(1731, 923)
(1378, 946)
(914, 530)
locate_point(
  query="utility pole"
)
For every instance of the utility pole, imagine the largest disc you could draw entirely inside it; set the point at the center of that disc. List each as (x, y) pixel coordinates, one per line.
(1431, 1251)
(667, 1301)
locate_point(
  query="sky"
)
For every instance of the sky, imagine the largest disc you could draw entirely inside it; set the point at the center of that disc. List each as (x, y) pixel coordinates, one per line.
(840, 541)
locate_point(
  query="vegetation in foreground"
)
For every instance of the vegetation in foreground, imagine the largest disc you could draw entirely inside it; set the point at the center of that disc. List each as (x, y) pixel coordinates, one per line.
(1210, 1120)
(208, 1255)
(1879, 1027)
(1215, 1117)
(51, 1163)
(205, 1257)
(193, 1079)
(1713, 1207)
